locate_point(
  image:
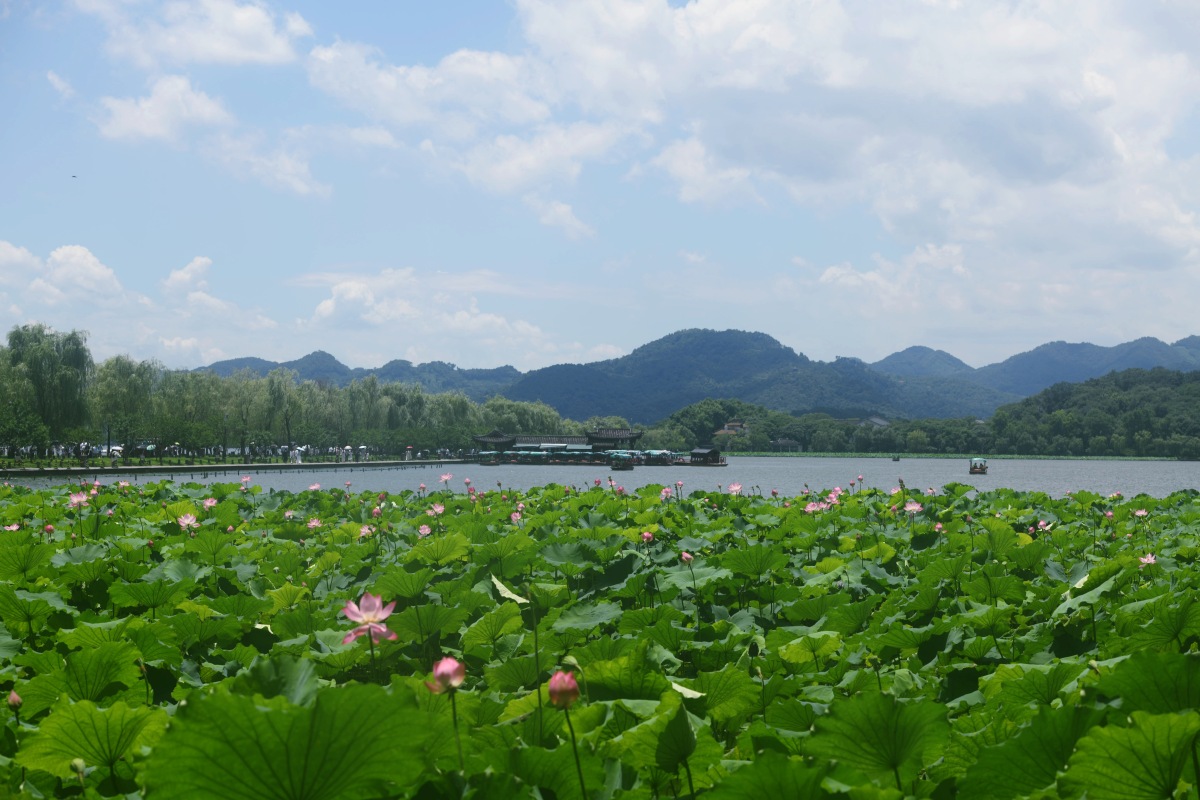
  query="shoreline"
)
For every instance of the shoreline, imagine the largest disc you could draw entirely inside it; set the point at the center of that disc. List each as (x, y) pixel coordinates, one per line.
(218, 469)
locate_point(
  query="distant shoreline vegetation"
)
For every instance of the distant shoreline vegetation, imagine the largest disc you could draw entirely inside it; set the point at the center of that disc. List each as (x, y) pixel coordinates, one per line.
(59, 399)
(951, 456)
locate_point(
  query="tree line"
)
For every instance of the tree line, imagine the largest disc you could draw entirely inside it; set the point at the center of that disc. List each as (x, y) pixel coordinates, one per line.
(53, 392)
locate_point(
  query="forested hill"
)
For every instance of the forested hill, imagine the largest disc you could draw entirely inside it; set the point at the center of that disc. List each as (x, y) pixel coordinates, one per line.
(1134, 412)
(660, 377)
(435, 376)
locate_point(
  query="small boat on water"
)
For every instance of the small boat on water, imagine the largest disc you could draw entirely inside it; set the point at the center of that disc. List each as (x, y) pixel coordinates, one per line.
(620, 461)
(977, 466)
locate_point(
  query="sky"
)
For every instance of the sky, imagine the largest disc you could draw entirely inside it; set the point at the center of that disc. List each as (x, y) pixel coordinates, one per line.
(538, 182)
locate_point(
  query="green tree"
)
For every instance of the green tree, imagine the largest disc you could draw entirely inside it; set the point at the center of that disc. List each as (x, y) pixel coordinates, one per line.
(121, 397)
(58, 367)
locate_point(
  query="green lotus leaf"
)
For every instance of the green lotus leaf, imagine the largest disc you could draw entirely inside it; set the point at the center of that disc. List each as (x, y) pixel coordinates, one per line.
(1030, 761)
(771, 775)
(1145, 760)
(353, 742)
(728, 694)
(504, 619)
(582, 617)
(101, 737)
(882, 736)
(1158, 683)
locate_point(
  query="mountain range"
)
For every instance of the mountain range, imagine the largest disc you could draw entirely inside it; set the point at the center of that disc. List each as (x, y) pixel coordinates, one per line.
(682, 368)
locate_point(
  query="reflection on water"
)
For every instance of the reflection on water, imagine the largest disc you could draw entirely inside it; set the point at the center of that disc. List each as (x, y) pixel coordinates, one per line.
(790, 476)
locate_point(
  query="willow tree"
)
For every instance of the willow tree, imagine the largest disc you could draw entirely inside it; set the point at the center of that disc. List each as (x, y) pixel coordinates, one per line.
(57, 367)
(19, 424)
(121, 397)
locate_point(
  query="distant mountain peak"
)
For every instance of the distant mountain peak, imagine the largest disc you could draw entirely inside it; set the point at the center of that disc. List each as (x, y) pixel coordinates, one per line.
(919, 361)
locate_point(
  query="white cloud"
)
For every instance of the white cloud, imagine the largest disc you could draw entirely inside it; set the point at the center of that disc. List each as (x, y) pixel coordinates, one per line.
(286, 169)
(198, 31)
(72, 289)
(907, 285)
(172, 106)
(187, 278)
(557, 214)
(548, 155)
(467, 90)
(699, 179)
(17, 264)
(60, 85)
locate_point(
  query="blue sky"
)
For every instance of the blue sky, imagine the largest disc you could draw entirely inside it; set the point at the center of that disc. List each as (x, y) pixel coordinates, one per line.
(547, 181)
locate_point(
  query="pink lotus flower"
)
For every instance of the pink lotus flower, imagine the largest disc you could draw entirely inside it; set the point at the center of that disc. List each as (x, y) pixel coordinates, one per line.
(365, 531)
(467, 481)
(370, 612)
(515, 516)
(1147, 561)
(79, 500)
(678, 485)
(245, 479)
(913, 507)
(563, 689)
(937, 528)
(436, 510)
(209, 502)
(376, 511)
(686, 557)
(1141, 512)
(647, 537)
(446, 478)
(314, 523)
(14, 700)
(665, 494)
(421, 488)
(289, 514)
(424, 531)
(188, 521)
(123, 484)
(14, 527)
(315, 487)
(735, 488)
(448, 675)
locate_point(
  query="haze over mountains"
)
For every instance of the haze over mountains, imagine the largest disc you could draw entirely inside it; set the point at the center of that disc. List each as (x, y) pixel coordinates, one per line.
(660, 377)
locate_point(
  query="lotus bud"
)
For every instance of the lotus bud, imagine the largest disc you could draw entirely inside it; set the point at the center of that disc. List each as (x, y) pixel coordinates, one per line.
(563, 689)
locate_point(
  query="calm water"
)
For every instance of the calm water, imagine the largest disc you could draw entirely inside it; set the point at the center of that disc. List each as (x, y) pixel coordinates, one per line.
(790, 476)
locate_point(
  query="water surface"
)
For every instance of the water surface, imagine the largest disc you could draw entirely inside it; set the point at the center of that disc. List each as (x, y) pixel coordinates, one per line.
(790, 476)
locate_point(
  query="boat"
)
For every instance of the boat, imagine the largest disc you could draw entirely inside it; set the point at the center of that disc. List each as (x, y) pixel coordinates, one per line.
(620, 461)
(977, 466)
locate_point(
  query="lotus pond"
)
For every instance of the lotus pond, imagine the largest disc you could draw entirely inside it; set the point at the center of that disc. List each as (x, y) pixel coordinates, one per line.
(218, 641)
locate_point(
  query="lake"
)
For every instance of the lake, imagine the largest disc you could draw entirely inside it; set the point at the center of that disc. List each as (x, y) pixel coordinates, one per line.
(790, 476)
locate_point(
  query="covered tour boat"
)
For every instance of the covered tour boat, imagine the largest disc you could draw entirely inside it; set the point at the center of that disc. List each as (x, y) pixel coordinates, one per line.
(978, 466)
